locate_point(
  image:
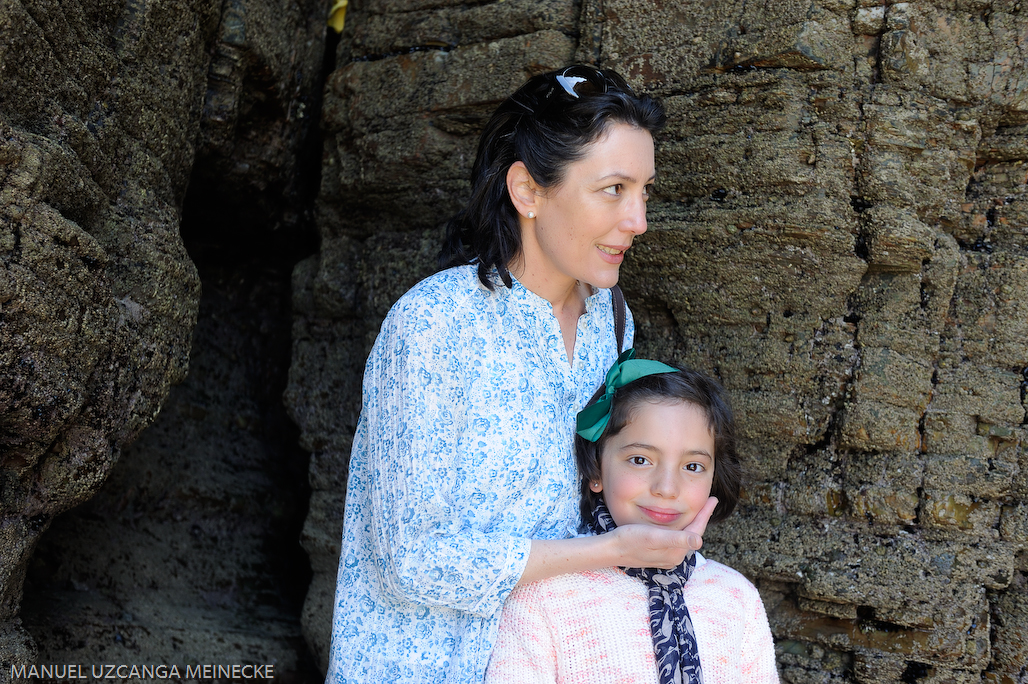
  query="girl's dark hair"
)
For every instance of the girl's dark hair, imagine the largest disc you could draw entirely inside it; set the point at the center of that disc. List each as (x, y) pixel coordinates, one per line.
(546, 129)
(683, 386)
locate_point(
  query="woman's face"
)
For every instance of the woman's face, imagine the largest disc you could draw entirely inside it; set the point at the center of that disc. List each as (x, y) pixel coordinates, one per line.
(659, 469)
(584, 225)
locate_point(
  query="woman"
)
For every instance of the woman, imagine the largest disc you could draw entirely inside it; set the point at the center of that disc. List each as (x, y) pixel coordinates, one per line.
(463, 482)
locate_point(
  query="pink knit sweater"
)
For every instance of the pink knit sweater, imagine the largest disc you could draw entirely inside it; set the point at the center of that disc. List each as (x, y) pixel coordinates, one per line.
(593, 628)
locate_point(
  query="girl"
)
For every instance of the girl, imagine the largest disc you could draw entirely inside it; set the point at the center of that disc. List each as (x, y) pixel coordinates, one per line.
(652, 446)
(462, 479)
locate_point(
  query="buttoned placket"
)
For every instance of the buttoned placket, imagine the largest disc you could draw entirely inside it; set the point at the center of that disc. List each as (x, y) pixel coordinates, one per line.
(567, 376)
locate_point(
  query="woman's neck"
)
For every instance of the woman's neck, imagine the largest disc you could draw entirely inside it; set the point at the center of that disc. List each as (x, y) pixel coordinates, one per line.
(563, 294)
(567, 297)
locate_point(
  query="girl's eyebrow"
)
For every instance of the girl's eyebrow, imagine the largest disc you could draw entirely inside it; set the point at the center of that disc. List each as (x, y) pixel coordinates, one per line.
(639, 445)
(650, 447)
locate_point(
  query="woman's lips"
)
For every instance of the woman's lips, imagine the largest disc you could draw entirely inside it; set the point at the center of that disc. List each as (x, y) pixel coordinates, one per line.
(612, 255)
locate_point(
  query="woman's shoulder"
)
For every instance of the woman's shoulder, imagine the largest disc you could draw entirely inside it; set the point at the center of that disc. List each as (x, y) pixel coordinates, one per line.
(452, 287)
(446, 300)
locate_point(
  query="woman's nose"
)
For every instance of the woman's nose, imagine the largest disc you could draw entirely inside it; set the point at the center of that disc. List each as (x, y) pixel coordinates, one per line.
(635, 219)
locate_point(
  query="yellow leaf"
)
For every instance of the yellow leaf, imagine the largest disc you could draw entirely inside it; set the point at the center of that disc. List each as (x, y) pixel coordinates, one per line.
(337, 15)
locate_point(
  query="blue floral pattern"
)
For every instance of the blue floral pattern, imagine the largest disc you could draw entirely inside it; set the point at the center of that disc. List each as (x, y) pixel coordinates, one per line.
(462, 455)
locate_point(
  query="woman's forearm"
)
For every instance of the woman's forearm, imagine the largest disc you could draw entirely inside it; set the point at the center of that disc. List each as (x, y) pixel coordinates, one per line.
(552, 557)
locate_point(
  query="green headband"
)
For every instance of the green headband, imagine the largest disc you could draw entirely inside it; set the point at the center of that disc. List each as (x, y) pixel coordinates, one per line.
(593, 418)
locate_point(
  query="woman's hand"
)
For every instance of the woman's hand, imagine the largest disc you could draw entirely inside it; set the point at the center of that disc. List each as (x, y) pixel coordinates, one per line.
(630, 546)
(647, 546)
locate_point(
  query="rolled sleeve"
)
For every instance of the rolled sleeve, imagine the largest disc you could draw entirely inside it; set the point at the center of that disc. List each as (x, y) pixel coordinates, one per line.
(426, 551)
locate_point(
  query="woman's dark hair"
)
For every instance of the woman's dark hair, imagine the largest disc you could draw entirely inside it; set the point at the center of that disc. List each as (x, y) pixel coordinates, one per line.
(546, 126)
(687, 386)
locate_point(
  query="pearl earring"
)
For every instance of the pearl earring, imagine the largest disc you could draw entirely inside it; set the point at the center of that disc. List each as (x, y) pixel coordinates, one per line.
(531, 214)
(595, 485)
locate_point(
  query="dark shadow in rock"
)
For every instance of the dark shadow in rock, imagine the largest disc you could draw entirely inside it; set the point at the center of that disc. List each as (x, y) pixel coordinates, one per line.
(189, 553)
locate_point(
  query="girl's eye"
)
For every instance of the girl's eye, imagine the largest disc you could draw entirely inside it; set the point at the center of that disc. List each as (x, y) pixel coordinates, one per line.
(695, 467)
(637, 460)
(613, 189)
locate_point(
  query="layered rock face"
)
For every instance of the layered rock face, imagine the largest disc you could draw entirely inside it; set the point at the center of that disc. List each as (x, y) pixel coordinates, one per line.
(99, 106)
(189, 552)
(839, 233)
(117, 119)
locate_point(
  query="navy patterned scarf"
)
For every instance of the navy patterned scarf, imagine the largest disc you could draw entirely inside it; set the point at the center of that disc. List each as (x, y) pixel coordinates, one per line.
(674, 638)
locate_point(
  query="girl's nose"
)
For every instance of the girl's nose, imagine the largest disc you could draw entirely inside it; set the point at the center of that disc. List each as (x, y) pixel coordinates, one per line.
(665, 484)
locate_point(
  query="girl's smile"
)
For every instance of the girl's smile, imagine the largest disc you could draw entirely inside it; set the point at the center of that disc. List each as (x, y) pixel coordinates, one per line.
(658, 470)
(661, 516)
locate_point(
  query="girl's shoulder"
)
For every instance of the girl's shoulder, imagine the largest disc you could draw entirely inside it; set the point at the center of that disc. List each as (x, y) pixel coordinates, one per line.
(713, 568)
(580, 587)
(714, 574)
(572, 580)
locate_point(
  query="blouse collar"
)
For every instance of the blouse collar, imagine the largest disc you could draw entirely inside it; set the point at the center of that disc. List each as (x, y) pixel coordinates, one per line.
(520, 293)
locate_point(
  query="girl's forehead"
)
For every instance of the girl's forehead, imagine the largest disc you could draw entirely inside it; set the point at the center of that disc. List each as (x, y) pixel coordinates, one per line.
(663, 425)
(634, 410)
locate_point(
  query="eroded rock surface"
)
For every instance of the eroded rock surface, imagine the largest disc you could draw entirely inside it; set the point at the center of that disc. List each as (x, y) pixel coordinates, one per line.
(839, 233)
(188, 555)
(99, 110)
(114, 119)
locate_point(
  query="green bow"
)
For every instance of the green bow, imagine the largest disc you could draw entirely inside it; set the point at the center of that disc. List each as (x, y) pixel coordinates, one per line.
(593, 418)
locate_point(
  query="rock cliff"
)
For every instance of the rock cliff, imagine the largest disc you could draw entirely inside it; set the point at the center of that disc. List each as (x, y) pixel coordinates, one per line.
(838, 233)
(127, 126)
(99, 110)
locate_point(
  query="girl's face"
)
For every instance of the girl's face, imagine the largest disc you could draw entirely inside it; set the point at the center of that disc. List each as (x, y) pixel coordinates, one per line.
(583, 226)
(659, 469)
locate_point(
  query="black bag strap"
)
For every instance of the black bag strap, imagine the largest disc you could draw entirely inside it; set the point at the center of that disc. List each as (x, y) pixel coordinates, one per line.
(617, 300)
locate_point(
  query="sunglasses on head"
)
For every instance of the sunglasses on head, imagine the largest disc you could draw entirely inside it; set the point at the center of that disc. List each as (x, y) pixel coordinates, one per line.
(567, 85)
(581, 80)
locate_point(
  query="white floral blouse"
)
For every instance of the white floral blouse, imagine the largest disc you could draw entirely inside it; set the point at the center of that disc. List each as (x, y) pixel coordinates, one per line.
(463, 454)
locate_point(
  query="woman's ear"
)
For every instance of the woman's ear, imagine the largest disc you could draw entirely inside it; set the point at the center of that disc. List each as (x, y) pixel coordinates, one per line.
(523, 190)
(596, 486)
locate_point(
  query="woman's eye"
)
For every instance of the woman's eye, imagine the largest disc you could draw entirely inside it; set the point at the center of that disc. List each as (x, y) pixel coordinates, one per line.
(613, 189)
(646, 191)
